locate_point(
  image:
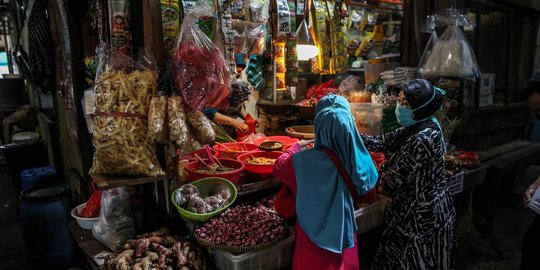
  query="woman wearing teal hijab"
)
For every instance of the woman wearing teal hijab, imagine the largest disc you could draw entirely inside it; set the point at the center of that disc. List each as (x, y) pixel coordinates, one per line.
(324, 181)
(419, 229)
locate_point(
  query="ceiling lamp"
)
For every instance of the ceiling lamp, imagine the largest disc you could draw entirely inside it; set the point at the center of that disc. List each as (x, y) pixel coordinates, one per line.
(305, 46)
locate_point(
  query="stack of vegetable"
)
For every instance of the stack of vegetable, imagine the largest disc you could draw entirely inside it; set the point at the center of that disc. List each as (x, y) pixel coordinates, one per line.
(244, 226)
(459, 161)
(157, 250)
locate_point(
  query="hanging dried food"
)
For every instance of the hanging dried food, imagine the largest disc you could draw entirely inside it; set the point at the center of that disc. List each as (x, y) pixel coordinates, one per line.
(201, 125)
(200, 72)
(178, 130)
(123, 92)
(157, 129)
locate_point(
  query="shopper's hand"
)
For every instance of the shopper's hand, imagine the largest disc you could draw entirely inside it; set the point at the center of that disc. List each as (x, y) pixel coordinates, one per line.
(529, 193)
(241, 126)
(304, 143)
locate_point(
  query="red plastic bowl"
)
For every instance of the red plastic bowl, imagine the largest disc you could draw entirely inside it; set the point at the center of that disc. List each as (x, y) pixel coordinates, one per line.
(236, 176)
(200, 152)
(286, 140)
(233, 150)
(257, 172)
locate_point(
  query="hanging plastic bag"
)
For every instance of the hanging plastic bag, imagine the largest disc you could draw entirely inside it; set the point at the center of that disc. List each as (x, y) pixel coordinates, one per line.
(200, 72)
(433, 38)
(451, 56)
(93, 205)
(115, 224)
(157, 116)
(123, 91)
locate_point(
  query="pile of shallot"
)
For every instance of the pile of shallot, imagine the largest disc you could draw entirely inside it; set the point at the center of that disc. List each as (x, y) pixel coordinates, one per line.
(243, 226)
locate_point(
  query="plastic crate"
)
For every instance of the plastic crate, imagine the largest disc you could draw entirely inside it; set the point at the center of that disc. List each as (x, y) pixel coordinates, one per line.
(371, 216)
(275, 257)
(455, 183)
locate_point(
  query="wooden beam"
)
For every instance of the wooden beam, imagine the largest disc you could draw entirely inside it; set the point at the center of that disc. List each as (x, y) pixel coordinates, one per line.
(153, 31)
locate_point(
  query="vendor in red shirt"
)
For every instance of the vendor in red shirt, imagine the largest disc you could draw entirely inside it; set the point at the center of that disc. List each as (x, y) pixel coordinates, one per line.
(319, 186)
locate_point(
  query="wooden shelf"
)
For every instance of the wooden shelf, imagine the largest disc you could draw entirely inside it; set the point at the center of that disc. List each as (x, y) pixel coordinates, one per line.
(111, 181)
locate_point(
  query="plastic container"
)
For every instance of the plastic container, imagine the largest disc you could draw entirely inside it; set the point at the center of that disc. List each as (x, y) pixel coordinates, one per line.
(44, 215)
(271, 145)
(85, 223)
(255, 171)
(236, 176)
(206, 188)
(286, 140)
(371, 216)
(455, 183)
(201, 153)
(38, 176)
(233, 150)
(301, 132)
(276, 257)
(368, 117)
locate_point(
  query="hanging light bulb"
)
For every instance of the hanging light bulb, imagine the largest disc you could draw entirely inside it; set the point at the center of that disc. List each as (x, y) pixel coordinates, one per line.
(305, 47)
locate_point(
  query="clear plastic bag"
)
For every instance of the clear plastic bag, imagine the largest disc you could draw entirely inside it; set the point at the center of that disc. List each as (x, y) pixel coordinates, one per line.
(178, 129)
(201, 126)
(157, 115)
(201, 74)
(115, 224)
(123, 91)
(451, 56)
(350, 84)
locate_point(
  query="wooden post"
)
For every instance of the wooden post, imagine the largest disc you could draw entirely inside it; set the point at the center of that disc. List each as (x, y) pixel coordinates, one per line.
(153, 31)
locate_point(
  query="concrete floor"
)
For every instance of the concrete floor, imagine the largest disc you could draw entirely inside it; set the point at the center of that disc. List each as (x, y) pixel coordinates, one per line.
(511, 222)
(11, 249)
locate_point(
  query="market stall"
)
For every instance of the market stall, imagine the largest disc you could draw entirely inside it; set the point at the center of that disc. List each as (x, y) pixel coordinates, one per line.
(167, 122)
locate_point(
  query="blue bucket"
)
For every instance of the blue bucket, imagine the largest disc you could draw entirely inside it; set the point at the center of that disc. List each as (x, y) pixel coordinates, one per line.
(45, 213)
(40, 176)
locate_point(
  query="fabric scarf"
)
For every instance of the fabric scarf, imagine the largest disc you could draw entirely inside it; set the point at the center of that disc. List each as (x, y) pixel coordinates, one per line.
(324, 206)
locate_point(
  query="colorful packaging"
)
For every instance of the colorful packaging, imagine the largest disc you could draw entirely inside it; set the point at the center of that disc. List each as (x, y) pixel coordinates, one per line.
(170, 19)
(119, 25)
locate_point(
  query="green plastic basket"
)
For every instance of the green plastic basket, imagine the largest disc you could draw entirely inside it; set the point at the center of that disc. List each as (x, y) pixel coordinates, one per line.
(207, 187)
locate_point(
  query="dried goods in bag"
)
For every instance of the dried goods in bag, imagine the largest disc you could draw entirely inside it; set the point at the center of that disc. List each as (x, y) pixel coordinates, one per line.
(157, 115)
(178, 130)
(200, 73)
(451, 56)
(201, 126)
(123, 91)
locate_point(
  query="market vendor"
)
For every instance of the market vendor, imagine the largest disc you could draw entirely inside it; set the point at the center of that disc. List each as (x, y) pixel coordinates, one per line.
(316, 188)
(226, 121)
(419, 232)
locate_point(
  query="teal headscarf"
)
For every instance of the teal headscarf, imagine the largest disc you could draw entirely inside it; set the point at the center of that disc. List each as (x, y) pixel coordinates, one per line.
(324, 206)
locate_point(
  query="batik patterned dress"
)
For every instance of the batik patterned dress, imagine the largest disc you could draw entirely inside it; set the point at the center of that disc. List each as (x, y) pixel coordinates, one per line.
(419, 230)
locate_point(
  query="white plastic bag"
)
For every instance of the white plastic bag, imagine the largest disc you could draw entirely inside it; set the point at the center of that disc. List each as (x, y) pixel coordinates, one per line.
(115, 224)
(451, 56)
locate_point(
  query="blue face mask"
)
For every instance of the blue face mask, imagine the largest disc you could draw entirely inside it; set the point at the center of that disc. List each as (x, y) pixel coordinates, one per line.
(405, 118)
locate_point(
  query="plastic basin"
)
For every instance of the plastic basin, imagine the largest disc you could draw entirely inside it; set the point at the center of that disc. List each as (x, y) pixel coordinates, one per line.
(85, 223)
(233, 150)
(207, 187)
(235, 176)
(201, 153)
(255, 171)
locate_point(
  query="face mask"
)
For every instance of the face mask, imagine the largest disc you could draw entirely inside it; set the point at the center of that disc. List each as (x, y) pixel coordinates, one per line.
(404, 116)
